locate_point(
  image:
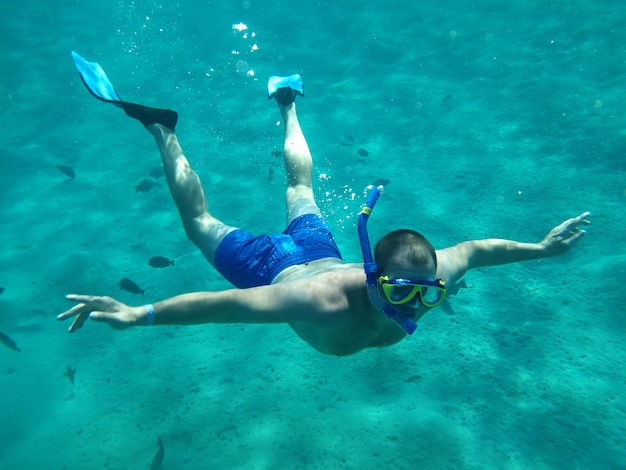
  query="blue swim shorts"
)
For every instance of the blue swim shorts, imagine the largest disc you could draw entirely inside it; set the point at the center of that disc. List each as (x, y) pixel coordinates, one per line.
(248, 261)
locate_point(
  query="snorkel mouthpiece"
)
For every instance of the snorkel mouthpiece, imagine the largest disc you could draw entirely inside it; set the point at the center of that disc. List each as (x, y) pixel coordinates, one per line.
(404, 322)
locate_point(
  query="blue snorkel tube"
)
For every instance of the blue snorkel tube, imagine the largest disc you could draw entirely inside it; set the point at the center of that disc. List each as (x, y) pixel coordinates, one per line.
(404, 322)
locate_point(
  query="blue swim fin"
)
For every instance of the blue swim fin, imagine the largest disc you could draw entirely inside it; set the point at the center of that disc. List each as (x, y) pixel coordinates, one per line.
(96, 80)
(288, 86)
(101, 87)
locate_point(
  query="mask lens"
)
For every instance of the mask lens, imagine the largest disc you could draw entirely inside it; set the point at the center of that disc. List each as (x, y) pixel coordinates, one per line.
(430, 295)
(401, 292)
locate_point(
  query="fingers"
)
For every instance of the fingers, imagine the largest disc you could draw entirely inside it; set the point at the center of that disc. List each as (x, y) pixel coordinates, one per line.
(581, 219)
(86, 305)
(78, 322)
(575, 237)
(570, 233)
(570, 226)
(82, 317)
(101, 309)
(75, 310)
(85, 299)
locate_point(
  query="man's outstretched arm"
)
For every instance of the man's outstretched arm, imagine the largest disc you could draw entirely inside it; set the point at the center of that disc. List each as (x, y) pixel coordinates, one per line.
(457, 260)
(267, 304)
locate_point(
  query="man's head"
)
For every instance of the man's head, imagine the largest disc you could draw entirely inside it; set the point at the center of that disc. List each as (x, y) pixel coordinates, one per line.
(407, 267)
(406, 250)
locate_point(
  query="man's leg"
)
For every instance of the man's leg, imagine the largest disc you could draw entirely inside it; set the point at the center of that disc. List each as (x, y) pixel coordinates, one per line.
(201, 227)
(299, 166)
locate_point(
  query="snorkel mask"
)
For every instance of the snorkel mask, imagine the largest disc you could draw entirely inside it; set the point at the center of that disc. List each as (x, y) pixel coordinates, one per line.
(400, 319)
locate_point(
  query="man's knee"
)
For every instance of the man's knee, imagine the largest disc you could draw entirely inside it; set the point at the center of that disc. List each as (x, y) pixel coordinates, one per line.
(206, 233)
(192, 231)
(301, 205)
(297, 192)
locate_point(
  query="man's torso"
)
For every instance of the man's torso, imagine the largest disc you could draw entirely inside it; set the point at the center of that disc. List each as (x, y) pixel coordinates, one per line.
(349, 323)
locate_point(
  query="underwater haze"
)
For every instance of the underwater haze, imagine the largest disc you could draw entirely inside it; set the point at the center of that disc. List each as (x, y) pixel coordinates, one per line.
(488, 118)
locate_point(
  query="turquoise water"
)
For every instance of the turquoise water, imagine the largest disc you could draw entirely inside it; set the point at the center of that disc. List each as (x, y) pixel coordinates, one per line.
(489, 120)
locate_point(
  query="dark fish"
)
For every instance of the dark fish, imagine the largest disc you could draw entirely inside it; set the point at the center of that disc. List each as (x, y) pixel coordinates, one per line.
(160, 262)
(67, 171)
(277, 153)
(446, 99)
(157, 461)
(270, 174)
(362, 152)
(8, 342)
(70, 373)
(348, 137)
(1, 290)
(381, 182)
(144, 186)
(130, 286)
(157, 172)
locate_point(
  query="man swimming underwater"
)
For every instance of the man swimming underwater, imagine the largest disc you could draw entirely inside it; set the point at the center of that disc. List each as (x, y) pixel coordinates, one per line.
(298, 277)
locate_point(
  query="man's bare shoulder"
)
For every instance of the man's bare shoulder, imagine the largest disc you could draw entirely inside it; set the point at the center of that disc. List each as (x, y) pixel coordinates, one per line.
(452, 263)
(329, 285)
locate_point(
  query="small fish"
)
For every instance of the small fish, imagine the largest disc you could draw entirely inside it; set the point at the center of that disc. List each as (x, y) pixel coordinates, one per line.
(144, 186)
(362, 152)
(157, 172)
(160, 262)
(1, 290)
(67, 171)
(446, 99)
(70, 373)
(277, 153)
(270, 174)
(381, 182)
(128, 285)
(157, 461)
(8, 342)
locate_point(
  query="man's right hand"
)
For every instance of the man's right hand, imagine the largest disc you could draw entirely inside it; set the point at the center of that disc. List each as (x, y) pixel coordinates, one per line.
(102, 309)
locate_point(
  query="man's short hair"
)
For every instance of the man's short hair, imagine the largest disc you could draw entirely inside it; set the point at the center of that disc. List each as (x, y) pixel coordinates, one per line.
(408, 244)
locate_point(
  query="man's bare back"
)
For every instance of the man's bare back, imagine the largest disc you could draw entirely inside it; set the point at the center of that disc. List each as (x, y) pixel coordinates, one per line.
(342, 320)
